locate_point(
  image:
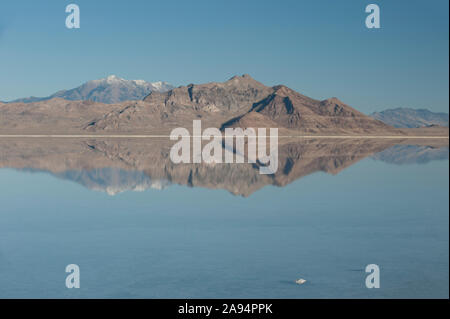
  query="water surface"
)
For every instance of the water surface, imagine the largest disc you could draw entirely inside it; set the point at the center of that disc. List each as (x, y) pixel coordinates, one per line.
(144, 232)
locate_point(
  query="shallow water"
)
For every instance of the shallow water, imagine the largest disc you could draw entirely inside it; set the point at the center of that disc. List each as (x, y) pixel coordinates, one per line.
(158, 238)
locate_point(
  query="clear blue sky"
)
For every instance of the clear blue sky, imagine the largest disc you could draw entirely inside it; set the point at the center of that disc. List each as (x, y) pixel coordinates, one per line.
(319, 48)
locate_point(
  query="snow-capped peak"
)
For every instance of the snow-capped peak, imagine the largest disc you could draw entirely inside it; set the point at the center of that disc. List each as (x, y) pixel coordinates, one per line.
(140, 82)
(113, 78)
(111, 89)
(158, 85)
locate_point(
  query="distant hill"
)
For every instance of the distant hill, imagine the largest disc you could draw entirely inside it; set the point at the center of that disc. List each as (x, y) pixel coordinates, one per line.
(108, 90)
(410, 118)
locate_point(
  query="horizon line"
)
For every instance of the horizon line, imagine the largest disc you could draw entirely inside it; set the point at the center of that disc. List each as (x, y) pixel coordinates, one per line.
(199, 136)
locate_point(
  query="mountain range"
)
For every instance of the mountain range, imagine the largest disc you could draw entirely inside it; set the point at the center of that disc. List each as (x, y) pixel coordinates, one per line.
(239, 102)
(244, 102)
(407, 117)
(111, 89)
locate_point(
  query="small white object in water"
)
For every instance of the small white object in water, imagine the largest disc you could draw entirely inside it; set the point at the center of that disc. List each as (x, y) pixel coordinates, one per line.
(300, 281)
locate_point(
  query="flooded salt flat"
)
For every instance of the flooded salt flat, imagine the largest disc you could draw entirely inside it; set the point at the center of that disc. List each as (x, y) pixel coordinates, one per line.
(142, 229)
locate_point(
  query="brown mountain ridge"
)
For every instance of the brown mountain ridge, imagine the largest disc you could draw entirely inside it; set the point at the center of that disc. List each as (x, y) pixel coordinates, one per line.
(239, 102)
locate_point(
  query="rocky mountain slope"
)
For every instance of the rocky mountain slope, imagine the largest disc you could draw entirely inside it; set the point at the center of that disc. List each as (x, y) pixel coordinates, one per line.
(237, 94)
(289, 109)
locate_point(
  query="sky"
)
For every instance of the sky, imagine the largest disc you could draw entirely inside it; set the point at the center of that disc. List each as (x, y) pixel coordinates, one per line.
(318, 48)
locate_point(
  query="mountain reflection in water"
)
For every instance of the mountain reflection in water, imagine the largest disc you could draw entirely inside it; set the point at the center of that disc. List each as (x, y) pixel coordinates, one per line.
(130, 164)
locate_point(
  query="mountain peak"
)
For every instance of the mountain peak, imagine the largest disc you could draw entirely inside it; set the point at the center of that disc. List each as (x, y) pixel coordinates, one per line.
(113, 77)
(283, 90)
(332, 100)
(241, 77)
